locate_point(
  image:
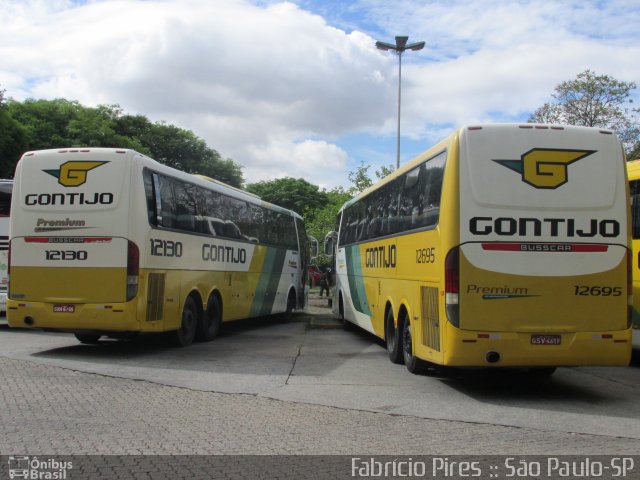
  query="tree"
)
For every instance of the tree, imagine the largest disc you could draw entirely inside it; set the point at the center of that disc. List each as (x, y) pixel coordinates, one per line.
(13, 140)
(323, 220)
(593, 100)
(98, 127)
(293, 193)
(45, 121)
(41, 124)
(359, 179)
(182, 149)
(384, 171)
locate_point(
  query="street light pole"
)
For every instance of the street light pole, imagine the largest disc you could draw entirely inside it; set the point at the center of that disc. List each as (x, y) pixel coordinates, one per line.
(399, 48)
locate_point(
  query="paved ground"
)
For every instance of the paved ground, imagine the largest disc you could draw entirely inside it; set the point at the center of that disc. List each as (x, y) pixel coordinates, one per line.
(52, 411)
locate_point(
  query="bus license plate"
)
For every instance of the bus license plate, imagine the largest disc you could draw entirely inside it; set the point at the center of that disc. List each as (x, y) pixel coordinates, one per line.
(546, 339)
(64, 308)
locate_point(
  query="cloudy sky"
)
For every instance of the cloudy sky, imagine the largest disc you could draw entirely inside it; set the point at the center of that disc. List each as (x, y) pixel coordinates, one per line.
(297, 88)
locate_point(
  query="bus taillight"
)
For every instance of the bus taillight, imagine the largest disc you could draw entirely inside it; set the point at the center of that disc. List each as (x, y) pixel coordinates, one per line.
(452, 286)
(133, 267)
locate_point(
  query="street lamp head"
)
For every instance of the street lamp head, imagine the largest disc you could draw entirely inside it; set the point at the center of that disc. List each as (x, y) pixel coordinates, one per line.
(385, 46)
(400, 46)
(401, 42)
(415, 46)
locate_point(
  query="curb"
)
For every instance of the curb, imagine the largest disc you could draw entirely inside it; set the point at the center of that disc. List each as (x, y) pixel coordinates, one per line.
(324, 322)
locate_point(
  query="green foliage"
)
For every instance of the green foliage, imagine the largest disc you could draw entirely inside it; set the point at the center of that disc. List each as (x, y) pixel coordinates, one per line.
(384, 171)
(293, 193)
(45, 121)
(359, 179)
(41, 124)
(323, 220)
(12, 140)
(594, 101)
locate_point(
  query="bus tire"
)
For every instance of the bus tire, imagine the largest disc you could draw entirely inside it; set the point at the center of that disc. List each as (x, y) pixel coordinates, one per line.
(291, 306)
(393, 339)
(209, 324)
(346, 324)
(413, 364)
(88, 338)
(184, 335)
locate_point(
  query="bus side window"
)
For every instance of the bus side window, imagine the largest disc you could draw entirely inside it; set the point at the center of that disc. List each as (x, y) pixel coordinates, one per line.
(410, 200)
(432, 191)
(150, 195)
(168, 202)
(635, 208)
(185, 195)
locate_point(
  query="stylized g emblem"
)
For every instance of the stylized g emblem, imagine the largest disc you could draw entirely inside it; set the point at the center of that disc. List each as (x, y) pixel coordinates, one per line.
(73, 173)
(545, 167)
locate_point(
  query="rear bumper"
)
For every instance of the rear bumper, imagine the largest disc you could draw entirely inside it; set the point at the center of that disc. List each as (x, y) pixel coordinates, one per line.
(474, 349)
(114, 317)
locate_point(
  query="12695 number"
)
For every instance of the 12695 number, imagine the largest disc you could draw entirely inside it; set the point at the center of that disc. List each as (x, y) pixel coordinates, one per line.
(597, 291)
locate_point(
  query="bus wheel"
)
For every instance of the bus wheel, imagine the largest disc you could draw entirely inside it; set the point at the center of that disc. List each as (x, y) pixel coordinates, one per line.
(392, 337)
(209, 325)
(187, 331)
(413, 364)
(291, 306)
(88, 338)
(346, 324)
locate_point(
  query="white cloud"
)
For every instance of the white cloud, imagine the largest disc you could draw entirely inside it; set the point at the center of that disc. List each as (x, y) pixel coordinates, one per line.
(277, 89)
(248, 79)
(316, 161)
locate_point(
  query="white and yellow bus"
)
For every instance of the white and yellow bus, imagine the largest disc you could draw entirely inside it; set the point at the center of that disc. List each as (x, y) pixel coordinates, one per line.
(501, 246)
(633, 170)
(111, 242)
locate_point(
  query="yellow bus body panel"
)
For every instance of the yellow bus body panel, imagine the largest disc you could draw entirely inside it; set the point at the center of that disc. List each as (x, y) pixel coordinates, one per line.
(98, 296)
(464, 348)
(507, 303)
(70, 285)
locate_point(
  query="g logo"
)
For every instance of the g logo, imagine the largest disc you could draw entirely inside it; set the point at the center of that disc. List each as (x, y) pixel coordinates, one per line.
(73, 173)
(545, 167)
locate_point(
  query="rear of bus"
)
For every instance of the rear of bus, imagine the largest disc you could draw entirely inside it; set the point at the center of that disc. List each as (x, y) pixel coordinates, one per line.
(541, 274)
(72, 266)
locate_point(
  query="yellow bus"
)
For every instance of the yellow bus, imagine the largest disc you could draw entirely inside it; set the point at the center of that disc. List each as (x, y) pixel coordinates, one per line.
(633, 170)
(501, 246)
(111, 242)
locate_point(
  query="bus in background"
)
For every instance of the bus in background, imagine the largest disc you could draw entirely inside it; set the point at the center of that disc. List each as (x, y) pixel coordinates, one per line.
(111, 242)
(501, 246)
(6, 186)
(633, 170)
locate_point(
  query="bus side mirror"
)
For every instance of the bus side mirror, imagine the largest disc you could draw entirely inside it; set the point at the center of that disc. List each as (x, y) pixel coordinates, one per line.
(313, 244)
(330, 243)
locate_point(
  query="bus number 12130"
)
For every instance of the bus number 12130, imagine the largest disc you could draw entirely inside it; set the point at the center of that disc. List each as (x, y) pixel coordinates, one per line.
(165, 248)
